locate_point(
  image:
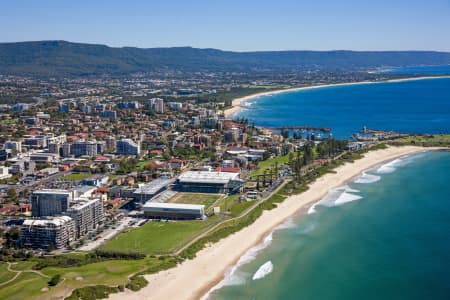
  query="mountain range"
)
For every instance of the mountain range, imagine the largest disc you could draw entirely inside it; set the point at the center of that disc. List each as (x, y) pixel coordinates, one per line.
(61, 58)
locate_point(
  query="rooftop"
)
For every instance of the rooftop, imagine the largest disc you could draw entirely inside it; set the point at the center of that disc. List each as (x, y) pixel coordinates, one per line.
(51, 191)
(208, 177)
(150, 204)
(153, 187)
(57, 221)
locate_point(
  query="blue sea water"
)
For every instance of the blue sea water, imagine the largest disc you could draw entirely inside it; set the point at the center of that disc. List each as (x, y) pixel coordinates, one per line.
(420, 70)
(416, 106)
(386, 235)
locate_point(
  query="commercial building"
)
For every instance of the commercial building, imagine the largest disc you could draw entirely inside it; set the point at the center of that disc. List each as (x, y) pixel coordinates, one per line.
(209, 182)
(96, 180)
(157, 104)
(127, 147)
(4, 172)
(87, 214)
(35, 141)
(49, 202)
(109, 114)
(44, 157)
(173, 211)
(13, 145)
(128, 105)
(52, 233)
(231, 135)
(83, 148)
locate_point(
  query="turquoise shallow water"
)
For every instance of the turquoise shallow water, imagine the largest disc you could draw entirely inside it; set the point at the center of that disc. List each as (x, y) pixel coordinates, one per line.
(386, 235)
(418, 106)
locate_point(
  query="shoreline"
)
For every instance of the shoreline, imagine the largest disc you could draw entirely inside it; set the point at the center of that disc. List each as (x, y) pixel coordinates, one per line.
(236, 104)
(194, 278)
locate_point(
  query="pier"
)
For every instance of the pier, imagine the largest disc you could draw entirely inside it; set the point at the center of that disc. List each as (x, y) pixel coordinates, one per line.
(306, 128)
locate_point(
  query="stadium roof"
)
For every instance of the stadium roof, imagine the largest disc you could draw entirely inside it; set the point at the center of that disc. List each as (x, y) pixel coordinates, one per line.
(150, 204)
(208, 177)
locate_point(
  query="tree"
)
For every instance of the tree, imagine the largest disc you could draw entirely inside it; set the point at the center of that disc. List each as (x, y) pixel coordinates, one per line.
(12, 195)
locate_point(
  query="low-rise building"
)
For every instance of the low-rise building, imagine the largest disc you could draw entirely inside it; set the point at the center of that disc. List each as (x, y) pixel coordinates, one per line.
(174, 211)
(4, 173)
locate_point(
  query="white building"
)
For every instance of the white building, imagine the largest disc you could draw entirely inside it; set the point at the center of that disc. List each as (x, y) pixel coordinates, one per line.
(175, 211)
(4, 173)
(13, 145)
(54, 233)
(157, 104)
(88, 214)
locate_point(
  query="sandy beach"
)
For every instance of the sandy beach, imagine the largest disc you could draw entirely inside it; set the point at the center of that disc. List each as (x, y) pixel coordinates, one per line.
(239, 103)
(193, 278)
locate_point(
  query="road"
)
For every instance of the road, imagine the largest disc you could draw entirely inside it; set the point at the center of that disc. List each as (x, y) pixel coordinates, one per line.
(94, 244)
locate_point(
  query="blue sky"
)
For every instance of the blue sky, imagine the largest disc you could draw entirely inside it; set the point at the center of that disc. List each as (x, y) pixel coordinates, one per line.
(233, 25)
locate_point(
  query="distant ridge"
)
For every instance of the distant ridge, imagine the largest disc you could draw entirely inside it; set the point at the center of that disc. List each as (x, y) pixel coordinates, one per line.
(61, 58)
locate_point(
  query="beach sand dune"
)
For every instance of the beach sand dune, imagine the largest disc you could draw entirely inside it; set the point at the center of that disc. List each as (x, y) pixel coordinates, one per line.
(194, 278)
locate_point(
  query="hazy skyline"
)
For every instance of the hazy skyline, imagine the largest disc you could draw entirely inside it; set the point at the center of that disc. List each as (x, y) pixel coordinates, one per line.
(234, 25)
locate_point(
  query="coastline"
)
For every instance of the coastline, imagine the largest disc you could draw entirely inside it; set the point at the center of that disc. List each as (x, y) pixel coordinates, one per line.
(236, 104)
(194, 278)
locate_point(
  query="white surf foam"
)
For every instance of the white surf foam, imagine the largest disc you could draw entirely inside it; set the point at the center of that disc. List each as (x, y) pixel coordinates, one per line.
(312, 209)
(233, 276)
(389, 167)
(337, 196)
(346, 197)
(263, 271)
(367, 178)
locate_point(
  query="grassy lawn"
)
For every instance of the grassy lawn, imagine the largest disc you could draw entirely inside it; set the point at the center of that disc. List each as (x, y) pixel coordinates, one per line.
(29, 285)
(195, 198)
(26, 286)
(233, 206)
(77, 176)
(22, 265)
(5, 275)
(420, 139)
(156, 237)
(10, 122)
(142, 164)
(269, 163)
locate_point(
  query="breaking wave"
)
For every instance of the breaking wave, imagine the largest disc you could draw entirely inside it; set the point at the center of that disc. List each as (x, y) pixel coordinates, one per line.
(367, 178)
(263, 271)
(234, 276)
(335, 197)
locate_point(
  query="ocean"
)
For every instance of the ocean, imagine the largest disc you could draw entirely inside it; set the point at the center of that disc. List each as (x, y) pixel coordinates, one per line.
(413, 106)
(385, 235)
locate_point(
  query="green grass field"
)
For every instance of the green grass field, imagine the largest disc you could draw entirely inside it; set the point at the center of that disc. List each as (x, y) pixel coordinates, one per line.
(156, 237)
(233, 206)
(30, 285)
(269, 163)
(26, 286)
(141, 165)
(195, 198)
(77, 176)
(5, 275)
(444, 138)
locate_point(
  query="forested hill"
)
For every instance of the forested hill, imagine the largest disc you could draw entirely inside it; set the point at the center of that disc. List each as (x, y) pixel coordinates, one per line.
(60, 58)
